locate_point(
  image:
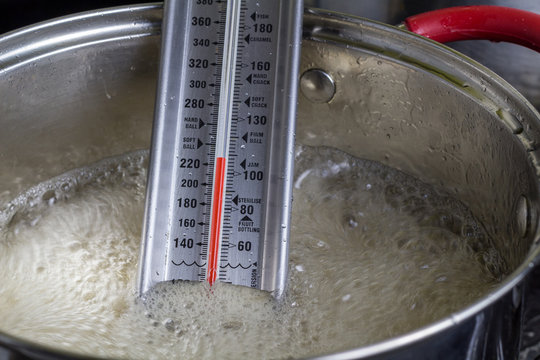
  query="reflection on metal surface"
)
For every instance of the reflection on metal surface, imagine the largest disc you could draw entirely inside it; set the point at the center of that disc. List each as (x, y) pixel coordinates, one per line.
(317, 86)
(523, 217)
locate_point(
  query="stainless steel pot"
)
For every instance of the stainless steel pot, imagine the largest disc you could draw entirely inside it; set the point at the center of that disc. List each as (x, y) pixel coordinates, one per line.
(517, 65)
(385, 95)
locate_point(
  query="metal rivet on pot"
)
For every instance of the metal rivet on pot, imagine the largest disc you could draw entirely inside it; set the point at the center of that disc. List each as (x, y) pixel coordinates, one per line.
(317, 85)
(523, 218)
(516, 297)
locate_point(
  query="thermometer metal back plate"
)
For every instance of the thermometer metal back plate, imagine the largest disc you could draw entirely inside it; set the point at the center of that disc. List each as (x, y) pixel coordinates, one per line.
(219, 191)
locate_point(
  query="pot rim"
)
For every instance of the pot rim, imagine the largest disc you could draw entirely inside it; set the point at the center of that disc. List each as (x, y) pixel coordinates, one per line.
(95, 27)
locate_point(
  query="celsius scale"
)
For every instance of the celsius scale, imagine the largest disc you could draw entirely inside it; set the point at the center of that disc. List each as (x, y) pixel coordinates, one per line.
(221, 164)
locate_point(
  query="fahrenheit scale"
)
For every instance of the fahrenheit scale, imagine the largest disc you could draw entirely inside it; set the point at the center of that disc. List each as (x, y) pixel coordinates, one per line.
(219, 191)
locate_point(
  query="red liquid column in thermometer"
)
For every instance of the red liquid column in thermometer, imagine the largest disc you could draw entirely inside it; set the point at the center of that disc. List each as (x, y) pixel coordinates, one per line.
(225, 111)
(217, 214)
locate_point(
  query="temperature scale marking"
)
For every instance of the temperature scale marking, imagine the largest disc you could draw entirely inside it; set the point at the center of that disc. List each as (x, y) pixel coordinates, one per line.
(219, 191)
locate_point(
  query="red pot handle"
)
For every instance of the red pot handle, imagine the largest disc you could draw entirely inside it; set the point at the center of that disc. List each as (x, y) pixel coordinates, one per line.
(496, 23)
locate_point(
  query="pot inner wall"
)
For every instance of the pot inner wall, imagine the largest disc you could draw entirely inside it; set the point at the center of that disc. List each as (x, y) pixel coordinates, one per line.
(398, 101)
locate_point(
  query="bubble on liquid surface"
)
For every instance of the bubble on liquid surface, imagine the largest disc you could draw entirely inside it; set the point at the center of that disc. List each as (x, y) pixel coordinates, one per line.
(366, 264)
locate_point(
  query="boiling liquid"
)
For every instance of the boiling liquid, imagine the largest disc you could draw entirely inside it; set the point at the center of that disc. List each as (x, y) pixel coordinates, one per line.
(374, 254)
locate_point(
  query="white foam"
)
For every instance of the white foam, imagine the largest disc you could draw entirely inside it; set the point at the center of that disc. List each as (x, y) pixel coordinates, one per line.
(69, 268)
